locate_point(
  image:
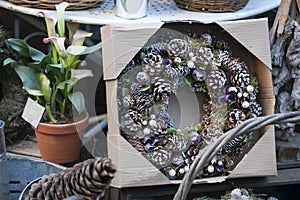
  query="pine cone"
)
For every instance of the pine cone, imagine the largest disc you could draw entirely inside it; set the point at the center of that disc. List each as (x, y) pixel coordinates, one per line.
(172, 74)
(235, 146)
(141, 101)
(211, 133)
(232, 64)
(206, 39)
(161, 89)
(216, 80)
(203, 56)
(177, 143)
(153, 64)
(222, 45)
(191, 154)
(155, 48)
(198, 87)
(221, 57)
(240, 78)
(178, 48)
(129, 124)
(160, 157)
(183, 70)
(88, 180)
(135, 142)
(234, 117)
(256, 109)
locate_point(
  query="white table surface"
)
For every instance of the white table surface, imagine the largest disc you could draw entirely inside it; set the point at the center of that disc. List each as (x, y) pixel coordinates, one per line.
(158, 11)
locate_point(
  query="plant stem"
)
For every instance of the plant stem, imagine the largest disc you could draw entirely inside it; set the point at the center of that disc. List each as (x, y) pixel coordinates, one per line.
(52, 120)
(54, 53)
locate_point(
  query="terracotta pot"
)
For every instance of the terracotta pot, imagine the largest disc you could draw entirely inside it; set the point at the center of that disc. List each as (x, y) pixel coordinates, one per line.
(60, 143)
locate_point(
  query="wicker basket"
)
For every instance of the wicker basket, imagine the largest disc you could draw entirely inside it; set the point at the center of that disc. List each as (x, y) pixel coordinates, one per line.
(50, 4)
(212, 5)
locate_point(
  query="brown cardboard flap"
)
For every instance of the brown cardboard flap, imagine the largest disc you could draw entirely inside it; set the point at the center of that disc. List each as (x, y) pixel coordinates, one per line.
(131, 165)
(253, 34)
(120, 44)
(261, 155)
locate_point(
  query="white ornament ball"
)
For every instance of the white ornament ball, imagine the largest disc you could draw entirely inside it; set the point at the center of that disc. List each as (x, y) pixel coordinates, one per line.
(172, 173)
(250, 88)
(186, 168)
(177, 60)
(153, 123)
(210, 169)
(191, 54)
(181, 170)
(245, 104)
(146, 131)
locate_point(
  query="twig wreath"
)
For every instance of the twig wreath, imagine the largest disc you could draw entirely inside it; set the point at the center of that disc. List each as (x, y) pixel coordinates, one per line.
(207, 66)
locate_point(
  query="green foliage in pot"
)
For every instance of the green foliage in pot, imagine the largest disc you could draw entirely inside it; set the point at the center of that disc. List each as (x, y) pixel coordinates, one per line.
(50, 78)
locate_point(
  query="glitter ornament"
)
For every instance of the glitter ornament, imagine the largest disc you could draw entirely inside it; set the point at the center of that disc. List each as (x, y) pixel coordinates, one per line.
(143, 78)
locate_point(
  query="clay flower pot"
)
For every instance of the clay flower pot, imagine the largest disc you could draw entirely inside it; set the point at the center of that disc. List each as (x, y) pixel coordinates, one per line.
(61, 143)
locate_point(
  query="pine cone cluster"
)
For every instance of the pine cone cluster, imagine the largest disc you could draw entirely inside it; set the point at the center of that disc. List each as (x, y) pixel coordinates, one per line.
(87, 180)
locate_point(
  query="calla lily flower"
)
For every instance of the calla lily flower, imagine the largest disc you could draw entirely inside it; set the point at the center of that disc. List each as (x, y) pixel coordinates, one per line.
(51, 21)
(60, 8)
(79, 37)
(59, 43)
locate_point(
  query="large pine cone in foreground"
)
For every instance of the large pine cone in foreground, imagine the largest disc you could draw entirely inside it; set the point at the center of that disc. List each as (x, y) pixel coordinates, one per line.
(87, 180)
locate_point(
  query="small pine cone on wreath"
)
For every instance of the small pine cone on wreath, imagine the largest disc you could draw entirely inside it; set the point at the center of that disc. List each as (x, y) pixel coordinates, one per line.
(221, 56)
(178, 48)
(190, 154)
(234, 117)
(256, 109)
(216, 81)
(240, 78)
(88, 179)
(235, 146)
(233, 64)
(153, 64)
(129, 124)
(136, 142)
(160, 89)
(203, 56)
(211, 133)
(183, 70)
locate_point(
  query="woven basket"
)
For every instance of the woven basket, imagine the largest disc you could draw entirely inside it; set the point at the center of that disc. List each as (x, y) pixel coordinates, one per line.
(50, 4)
(212, 5)
(207, 153)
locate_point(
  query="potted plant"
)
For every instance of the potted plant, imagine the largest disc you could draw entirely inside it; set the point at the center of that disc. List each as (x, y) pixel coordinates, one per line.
(50, 78)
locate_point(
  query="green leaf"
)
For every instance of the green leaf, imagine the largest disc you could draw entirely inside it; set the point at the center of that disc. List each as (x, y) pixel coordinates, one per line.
(67, 82)
(144, 89)
(58, 71)
(171, 130)
(25, 50)
(231, 105)
(77, 99)
(30, 79)
(8, 61)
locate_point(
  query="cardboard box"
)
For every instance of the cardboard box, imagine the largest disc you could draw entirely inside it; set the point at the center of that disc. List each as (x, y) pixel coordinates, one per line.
(248, 40)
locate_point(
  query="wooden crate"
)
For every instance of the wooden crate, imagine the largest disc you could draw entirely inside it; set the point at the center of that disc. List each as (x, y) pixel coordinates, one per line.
(250, 41)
